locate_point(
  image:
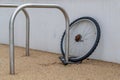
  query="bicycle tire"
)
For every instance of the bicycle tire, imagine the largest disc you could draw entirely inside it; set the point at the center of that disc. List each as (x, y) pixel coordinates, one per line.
(77, 59)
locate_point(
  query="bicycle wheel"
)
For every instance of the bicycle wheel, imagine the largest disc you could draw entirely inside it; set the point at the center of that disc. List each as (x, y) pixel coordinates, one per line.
(84, 38)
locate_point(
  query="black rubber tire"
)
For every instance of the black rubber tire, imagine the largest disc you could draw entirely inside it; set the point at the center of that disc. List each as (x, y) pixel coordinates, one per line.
(94, 46)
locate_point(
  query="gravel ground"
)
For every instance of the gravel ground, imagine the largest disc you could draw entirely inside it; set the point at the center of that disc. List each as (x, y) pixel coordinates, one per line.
(46, 66)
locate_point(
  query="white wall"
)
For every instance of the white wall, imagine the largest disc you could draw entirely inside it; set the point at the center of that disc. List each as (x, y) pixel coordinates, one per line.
(47, 25)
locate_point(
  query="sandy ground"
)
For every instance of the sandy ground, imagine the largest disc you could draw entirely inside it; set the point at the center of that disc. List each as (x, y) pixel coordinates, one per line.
(46, 66)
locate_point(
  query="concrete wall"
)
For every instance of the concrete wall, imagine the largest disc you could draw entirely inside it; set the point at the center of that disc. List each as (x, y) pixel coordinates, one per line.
(47, 25)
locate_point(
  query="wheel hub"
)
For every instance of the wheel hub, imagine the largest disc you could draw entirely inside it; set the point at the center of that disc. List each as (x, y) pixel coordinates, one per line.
(78, 38)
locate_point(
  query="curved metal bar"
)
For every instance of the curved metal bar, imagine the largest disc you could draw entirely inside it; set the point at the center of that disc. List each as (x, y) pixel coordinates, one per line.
(27, 27)
(34, 5)
(27, 23)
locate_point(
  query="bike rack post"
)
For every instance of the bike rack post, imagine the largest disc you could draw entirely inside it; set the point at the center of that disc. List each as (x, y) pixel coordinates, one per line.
(27, 23)
(35, 5)
(27, 29)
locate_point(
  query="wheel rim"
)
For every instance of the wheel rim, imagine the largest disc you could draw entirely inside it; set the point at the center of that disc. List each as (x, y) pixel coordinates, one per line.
(83, 35)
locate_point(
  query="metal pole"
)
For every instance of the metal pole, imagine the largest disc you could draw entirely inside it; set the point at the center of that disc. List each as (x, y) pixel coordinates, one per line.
(9, 5)
(34, 5)
(27, 34)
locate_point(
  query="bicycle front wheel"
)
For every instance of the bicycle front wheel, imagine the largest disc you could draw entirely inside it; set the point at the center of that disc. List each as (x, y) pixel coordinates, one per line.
(84, 38)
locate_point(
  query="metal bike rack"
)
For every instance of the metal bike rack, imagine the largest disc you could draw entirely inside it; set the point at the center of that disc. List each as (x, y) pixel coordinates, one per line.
(27, 21)
(11, 25)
